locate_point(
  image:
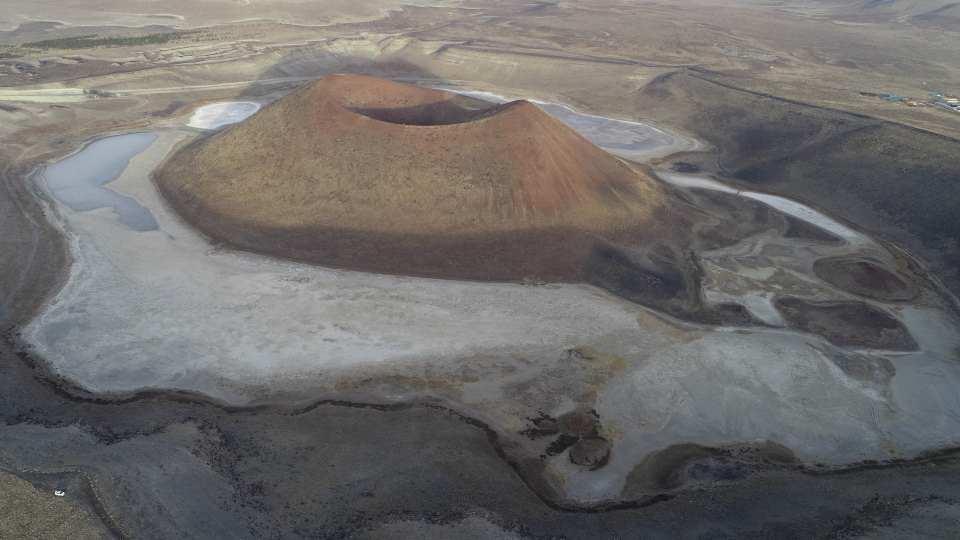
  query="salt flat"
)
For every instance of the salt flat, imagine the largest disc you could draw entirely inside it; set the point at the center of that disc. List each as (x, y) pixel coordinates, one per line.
(218, 115)
(166, 309)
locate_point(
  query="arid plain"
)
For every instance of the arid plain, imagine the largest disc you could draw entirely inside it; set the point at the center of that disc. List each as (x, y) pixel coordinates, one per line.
(769, 349)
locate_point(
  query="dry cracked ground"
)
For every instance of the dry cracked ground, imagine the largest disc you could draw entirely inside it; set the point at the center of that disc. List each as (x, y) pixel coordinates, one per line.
(156, 384)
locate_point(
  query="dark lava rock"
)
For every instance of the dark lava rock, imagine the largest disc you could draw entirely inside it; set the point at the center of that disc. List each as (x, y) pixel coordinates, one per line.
(542, 426)
(579, 423)
(685, 167)
(866, 278)
(560, 444)
(713, 470)
(847, 324)
(592, 452)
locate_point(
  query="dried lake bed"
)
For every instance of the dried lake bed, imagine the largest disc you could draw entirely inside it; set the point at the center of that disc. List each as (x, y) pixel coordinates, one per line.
(163, 308)
(218, 115)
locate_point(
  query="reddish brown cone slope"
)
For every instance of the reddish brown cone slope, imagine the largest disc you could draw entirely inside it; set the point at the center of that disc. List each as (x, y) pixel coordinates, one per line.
(364, 173)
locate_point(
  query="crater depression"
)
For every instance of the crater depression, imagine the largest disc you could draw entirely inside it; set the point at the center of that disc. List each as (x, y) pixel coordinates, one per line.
(362, 173)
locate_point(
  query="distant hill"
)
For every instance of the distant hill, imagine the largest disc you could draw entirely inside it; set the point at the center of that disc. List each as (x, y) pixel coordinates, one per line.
(940, 13)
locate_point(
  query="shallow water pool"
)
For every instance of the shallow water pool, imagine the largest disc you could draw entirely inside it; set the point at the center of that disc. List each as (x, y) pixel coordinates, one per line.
(79, 180)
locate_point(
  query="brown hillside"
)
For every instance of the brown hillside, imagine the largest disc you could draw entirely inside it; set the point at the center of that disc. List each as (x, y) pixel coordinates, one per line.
(359, 172)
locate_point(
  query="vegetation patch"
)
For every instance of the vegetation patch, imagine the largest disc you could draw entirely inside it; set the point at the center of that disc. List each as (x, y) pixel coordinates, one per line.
(90, 41)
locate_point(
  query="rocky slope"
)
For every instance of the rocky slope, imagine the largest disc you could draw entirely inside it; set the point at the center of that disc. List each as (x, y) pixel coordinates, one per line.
(357, 172)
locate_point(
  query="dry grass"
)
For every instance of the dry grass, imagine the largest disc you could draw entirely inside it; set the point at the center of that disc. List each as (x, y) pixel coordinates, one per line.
(26, 512)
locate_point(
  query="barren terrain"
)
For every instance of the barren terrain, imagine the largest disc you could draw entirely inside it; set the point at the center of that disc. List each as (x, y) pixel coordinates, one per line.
(363, 173)
(796, 380)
